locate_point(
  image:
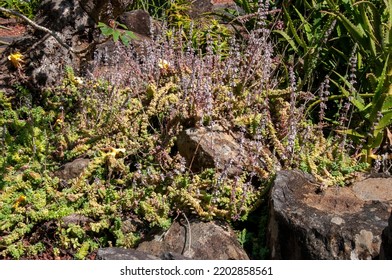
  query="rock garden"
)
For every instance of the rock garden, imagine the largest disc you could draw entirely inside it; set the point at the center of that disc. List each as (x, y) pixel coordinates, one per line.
(195, 129)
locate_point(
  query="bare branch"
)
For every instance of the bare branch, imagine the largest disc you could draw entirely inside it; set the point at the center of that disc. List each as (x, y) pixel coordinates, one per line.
(4, 43)
(3, 27)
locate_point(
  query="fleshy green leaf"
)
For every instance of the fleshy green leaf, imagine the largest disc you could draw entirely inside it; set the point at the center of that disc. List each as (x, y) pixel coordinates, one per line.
(116, 35)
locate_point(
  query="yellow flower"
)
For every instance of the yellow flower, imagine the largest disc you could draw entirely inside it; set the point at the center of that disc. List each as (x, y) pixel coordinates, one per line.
(113, 152)
(59, 122)
(163, 64)
(16, 59)
(78, 81)
(20, 200)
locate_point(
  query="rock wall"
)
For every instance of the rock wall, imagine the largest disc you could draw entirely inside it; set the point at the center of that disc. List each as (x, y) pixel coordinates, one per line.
(386, 245)
(194, 240)
(197, 240)
(339, 223)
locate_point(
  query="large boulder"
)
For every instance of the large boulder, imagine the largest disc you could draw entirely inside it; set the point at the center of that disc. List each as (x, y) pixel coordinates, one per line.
(386, 245)
(338, 223)
(219, 148)
(115, 253)
(199, 7)
(211, 148)
(197, 240)
(138, 21)
(105, 10)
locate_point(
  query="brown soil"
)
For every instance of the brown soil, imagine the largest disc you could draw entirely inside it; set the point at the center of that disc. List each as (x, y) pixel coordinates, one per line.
(12, 28)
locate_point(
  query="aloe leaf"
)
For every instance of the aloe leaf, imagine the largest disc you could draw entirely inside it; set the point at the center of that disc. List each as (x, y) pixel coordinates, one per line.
(355, 99)
(306, 25)
(388, 5)
(385, 121)
(379, 95)
(247, 6)
(339, 52)
(287, 38)
(377, 23)
(334, 122)
(344, 80)
(244, 4)
(351, 132)
(292, 29)
(387, 105)
(356, 32)
(377, 139)
(367, 26)
(389, 9)
(308, 5)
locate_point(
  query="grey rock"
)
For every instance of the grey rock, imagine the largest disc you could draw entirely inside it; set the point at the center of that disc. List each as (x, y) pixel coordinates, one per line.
(137, 21)
(131, 225)
(197, 240)
(210, 148)
(72, 169)
(104, 10)
(374, 189)
(339, 223)
(386, 245)
(216, 147)
(76, 219)
(62, 15)
(114, 253)
(200, 7)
